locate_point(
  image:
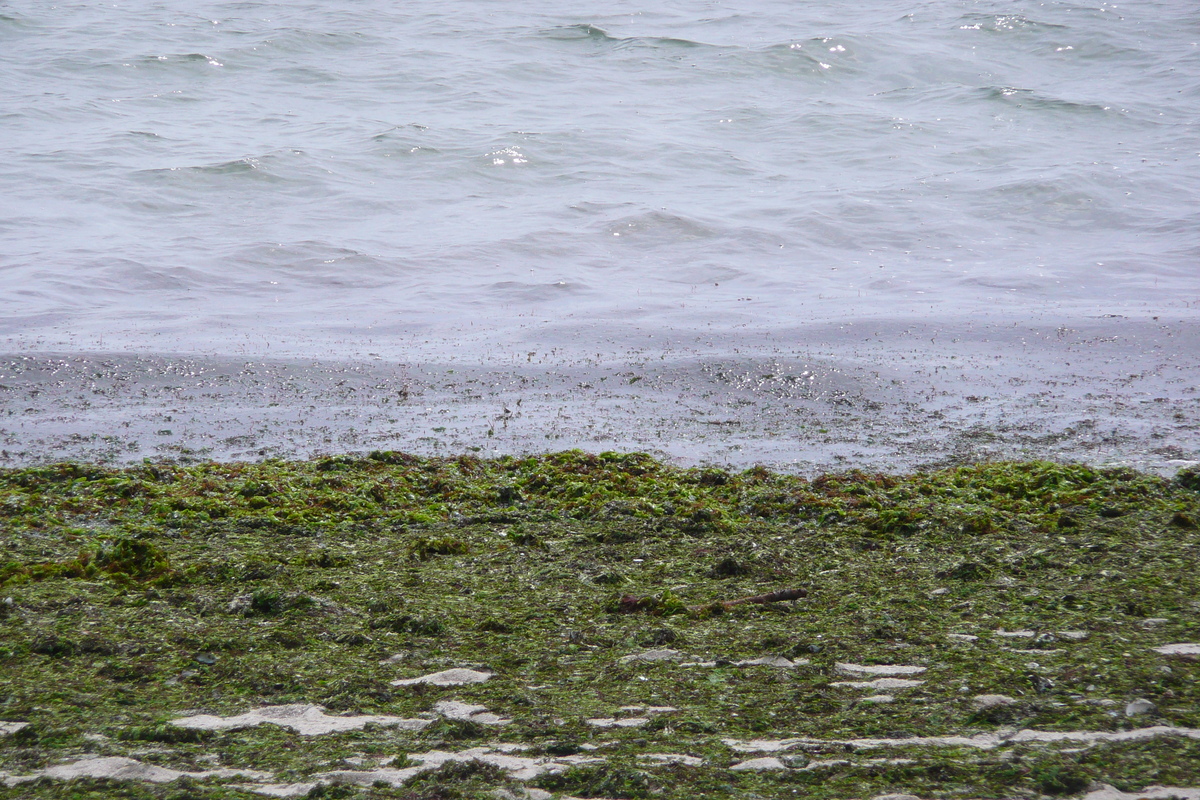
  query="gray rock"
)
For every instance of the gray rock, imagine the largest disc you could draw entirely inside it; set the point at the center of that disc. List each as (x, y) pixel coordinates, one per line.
(653, 655)
(880, 683)
(984, 701)
(759, 764)
(1139, 706)
(449, 677)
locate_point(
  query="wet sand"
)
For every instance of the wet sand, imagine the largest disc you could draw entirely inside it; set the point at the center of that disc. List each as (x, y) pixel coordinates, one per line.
(870, 395)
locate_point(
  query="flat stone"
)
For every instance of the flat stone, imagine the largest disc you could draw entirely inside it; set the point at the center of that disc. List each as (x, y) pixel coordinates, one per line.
(878, 669)
(1154, 622)
(11, 727)
(612, 722)
(524, 793)
(449, 677)
(1074, 635)
(307, 720)
(1139, 706)
(118, 768)
(1016, 634)
(672, 758)
(1107, 792)
(277, 789)
(827, 764)
(1180, 649)
(981, 741)
(878, 698)
(653, 655)
(895, 797)
(521, 768)
(770, 661)
(962, 637)
(758, 765)
(453, 709)
(880, 684)
(982, 701)
(395, 658)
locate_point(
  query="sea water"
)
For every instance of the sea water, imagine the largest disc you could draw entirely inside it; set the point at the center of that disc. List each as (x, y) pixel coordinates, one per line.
(347, 176)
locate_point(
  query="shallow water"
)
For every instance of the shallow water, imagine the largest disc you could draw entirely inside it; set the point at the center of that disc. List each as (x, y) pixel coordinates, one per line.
(353, 177)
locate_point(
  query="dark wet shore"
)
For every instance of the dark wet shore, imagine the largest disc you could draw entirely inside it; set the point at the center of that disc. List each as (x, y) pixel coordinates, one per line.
(876, 396)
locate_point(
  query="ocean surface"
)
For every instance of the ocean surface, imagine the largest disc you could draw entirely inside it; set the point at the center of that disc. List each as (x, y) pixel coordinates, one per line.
(347, 177)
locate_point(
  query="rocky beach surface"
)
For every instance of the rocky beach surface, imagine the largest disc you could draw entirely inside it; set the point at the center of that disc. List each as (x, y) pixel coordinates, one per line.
(601, 626)
(894, 561)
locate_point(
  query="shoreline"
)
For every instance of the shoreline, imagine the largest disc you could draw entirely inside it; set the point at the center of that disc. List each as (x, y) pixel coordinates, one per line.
(883, 396)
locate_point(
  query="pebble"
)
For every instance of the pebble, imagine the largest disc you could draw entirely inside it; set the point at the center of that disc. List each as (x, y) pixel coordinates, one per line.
(653, 655)
(1074, 635)
(1139, 706)
(983, 701)
(1015, 634)
(878, 698)
(962, 637)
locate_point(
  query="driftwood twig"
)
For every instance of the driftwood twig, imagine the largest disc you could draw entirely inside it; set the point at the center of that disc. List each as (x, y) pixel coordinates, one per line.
(769, 597)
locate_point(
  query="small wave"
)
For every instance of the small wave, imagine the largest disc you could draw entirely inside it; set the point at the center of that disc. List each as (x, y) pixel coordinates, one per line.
(126, 276)
(580, 32)
(506, 156)
(1005, 23)
(257, 168)
(1069, 201)
(658, 227)
(537, 292)
(1028, 98)
(312, 263)
(172, 59)
(591, 33)
(402, 140)
(814, 56)
(299, 40)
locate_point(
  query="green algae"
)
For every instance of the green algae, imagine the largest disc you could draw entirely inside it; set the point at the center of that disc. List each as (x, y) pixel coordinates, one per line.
(142, 593)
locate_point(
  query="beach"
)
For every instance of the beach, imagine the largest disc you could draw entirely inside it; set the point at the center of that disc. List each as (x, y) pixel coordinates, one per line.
(874, 395)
